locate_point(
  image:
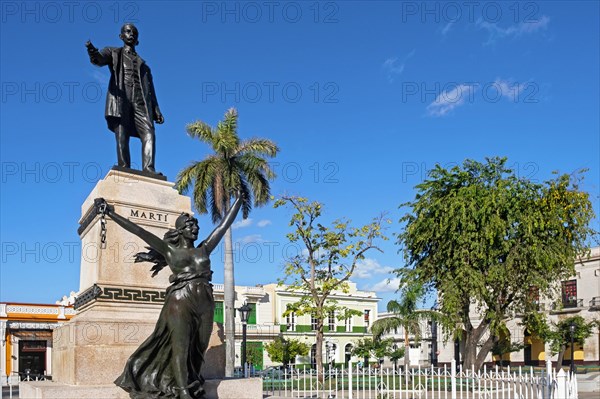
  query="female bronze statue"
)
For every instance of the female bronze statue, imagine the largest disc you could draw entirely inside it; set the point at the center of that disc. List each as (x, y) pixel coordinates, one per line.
(167, 364)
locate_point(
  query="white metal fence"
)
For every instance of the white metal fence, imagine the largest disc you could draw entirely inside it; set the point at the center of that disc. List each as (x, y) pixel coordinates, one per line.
(420, 383)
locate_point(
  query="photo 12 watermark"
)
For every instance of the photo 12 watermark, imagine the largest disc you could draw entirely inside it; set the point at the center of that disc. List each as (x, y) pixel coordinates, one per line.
(415, 172)
(470, 11)
(253, 12)
(125, 332)
(315, 172)
(270, 92)
(53, 12)
(72, 172)
(461, 92)
(261, 251)
(38, 92)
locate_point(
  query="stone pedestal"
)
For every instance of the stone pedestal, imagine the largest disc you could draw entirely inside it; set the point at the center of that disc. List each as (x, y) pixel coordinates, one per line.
(119, 302)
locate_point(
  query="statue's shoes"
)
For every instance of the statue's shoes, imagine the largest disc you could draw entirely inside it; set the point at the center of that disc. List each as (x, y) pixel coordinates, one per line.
(152, 171)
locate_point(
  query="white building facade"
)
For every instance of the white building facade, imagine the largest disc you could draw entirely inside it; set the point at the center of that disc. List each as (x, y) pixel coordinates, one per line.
(578, 296)
(266, 322)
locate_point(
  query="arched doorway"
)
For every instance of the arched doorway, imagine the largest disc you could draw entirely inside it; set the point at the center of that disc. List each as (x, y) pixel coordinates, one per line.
(348, 353)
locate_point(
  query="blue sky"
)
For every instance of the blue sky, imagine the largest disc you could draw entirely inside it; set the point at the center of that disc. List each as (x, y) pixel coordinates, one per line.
(362, 97)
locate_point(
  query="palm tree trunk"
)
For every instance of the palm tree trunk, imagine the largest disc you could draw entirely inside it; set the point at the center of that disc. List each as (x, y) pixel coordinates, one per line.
(406, 349)
(229, 302)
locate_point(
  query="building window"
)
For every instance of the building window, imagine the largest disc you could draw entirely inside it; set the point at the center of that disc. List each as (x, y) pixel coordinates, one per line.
(313, 322)
(290, 320)
(348, 324)
(367, 313)
(569, 294)
(252, 314)
(331, 321)
(218, 315)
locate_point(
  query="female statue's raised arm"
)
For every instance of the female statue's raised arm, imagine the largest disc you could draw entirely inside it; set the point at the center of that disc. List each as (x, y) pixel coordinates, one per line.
(213, 239)
(155, 242)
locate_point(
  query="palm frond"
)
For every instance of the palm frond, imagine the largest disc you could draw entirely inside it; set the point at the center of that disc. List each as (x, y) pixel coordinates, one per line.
(200, 174)
(257, 146)
(202, 131)
(260, 187)
(246, 199)
(394, 306)
(227, 140)
(235, 165)
(385, 325)
(185, 177)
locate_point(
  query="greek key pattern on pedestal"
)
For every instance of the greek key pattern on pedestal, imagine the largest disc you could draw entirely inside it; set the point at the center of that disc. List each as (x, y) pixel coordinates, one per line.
(119, 294)
(132, 295)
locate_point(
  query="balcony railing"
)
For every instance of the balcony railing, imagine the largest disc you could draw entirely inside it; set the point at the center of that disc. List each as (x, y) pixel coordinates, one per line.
(595, 303)
(566, 306)
(573, 303)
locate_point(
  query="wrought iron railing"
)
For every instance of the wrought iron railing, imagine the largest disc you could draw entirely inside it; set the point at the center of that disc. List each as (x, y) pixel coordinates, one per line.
(431, 383)
(595, 302)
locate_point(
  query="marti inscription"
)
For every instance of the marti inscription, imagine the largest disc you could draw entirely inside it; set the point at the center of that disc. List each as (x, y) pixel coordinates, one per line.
(159, 217)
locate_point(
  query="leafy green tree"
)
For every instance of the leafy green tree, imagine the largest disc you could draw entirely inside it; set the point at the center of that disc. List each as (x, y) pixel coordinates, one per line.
(369, 347)
(285, 350)
(324, 268)
(558, 335)
(254, 354)
(396, 355)
(480, 237)
(234, 165)
(362, 349)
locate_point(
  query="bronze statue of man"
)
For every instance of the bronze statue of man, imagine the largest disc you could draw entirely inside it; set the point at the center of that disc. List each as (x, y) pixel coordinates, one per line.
(131, 106)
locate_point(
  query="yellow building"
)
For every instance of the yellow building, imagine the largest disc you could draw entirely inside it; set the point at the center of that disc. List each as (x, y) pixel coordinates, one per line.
(26, 338)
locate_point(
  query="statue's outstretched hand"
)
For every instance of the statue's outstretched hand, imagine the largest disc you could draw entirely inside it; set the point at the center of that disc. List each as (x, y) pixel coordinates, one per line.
(102, 207)
(159, 118)
(92, 50)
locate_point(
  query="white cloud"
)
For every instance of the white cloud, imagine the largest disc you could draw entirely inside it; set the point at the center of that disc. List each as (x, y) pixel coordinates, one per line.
(242, 223)
(447, 28)
(515, 30)
(448, 100)
(263, 223)
(250, 239)
(393, 67)
(387, 285)
(509, 90)
(101, 75)
(367, 267)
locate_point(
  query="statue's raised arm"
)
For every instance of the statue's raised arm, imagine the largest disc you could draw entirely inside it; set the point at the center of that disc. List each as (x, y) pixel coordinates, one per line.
(167, 364)
(155, 242)
(215, 237)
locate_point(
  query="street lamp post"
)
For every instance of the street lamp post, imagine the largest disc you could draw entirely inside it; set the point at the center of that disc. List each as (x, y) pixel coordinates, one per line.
(572, 331)
(434, 348)
(244, 313)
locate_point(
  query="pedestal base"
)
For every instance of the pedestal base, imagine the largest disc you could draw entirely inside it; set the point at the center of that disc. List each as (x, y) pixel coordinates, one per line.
(246, 388)
(93, 347)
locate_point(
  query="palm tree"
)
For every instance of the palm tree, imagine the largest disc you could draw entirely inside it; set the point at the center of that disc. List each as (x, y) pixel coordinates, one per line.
(407, 317)
(234, 165)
